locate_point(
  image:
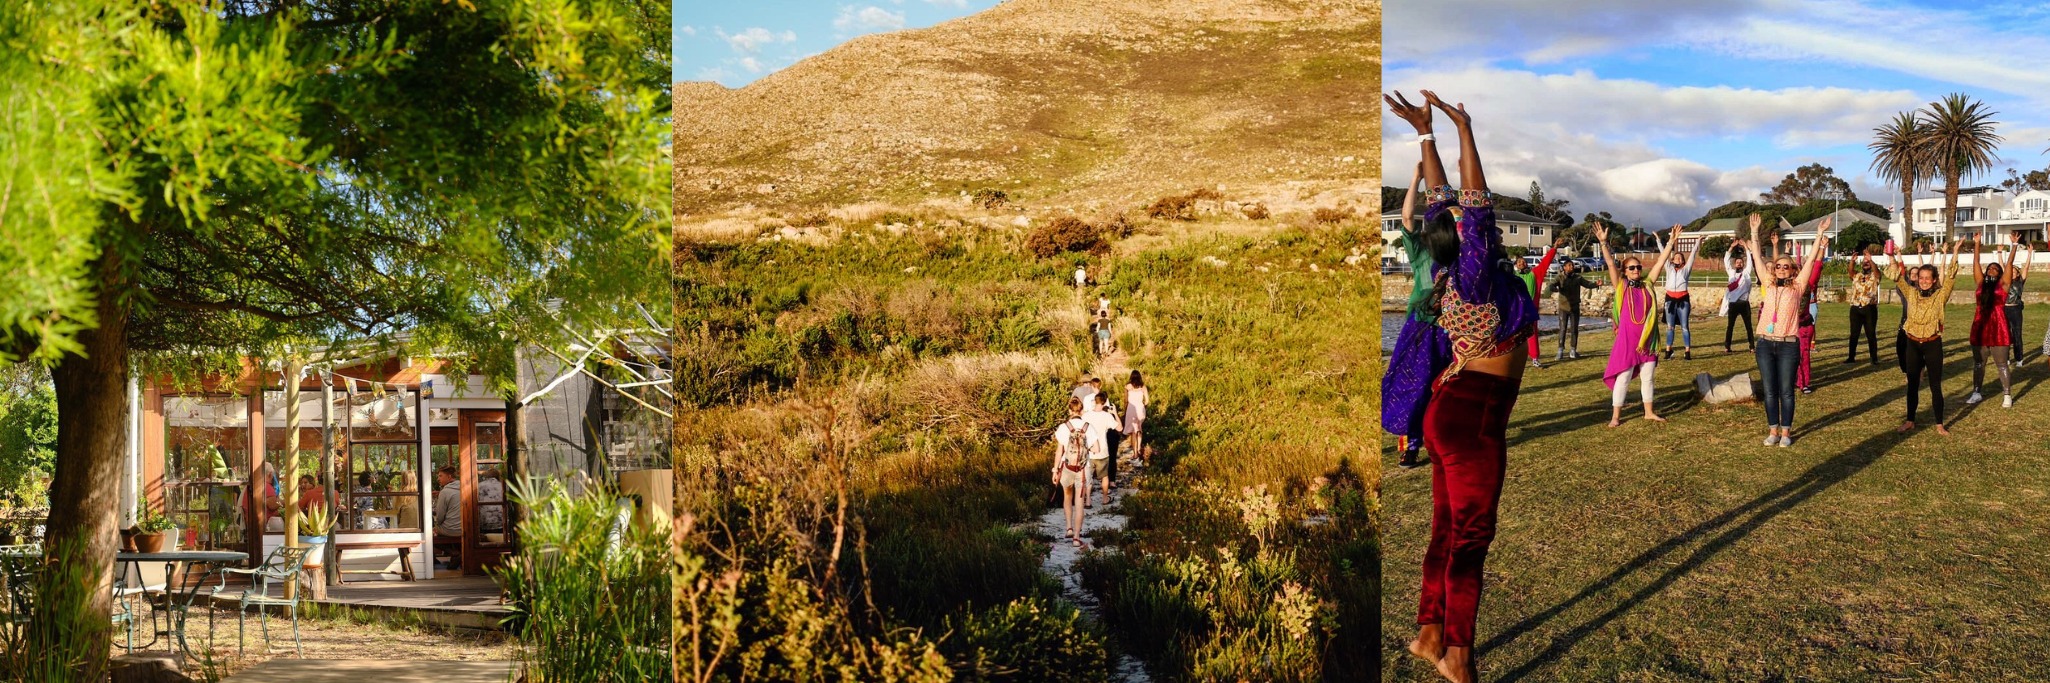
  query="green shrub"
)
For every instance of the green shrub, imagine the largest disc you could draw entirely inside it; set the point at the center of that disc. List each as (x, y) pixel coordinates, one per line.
(1028, 639)
(64, 639)
(589, 589)
(1025, 401)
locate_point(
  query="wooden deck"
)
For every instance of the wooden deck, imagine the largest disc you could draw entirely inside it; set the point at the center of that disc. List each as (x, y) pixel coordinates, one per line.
(461, 602)
(385, 671)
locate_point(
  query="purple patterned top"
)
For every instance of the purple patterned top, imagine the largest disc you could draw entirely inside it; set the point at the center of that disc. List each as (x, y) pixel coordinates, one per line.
(1480, 280)
(1487, 309)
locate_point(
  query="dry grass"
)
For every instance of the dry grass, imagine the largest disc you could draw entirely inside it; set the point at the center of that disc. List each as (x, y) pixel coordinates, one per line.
(340, 634)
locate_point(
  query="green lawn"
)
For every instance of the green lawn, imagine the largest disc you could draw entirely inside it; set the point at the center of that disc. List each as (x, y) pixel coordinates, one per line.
(1690, 551)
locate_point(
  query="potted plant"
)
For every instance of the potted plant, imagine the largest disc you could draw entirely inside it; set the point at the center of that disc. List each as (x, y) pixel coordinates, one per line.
(150, 526)
(314, 525)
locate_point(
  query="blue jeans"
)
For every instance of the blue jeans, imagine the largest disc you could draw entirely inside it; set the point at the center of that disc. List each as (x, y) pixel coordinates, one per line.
(1777, 361)
(1677, 311)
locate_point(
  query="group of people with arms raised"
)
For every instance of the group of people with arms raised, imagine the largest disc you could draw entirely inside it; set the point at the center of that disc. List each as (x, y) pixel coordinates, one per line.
(1471, 331)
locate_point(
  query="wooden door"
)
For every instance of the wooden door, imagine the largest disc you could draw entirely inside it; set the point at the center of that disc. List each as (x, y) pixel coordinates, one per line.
(487, 535)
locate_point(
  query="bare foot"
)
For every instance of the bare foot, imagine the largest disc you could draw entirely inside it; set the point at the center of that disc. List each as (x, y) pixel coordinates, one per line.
(1429, 644)
(1906, 427)
(1616, 422)
(1457, 665)
(1941, 430)
(1654, 418)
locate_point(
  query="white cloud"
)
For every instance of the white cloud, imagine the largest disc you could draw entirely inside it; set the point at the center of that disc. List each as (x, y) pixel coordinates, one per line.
(752, 40)
(870, 18)
(713, 73)
(752, 65)
(689, 30)
(1541, 31)
(956, 4)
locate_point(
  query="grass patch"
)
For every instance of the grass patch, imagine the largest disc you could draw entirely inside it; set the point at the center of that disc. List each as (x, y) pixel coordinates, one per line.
(1689, 551)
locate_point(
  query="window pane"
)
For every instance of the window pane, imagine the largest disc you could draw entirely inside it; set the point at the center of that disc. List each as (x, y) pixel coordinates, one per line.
(382, 487)
(206, 468)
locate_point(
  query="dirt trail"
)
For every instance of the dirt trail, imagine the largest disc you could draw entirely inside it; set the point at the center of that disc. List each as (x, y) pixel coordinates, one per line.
(1062, 562)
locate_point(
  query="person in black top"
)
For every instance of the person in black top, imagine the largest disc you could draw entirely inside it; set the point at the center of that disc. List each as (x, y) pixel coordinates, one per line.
(1568, 288)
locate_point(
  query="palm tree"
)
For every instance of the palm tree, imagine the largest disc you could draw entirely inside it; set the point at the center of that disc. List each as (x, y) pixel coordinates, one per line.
(1960, 142)
(1900, 155)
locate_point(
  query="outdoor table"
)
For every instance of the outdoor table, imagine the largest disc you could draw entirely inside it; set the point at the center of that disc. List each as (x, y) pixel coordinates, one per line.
(175, 608)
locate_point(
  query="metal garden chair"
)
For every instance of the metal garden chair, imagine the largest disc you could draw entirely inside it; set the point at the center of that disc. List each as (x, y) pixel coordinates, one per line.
(282, 566)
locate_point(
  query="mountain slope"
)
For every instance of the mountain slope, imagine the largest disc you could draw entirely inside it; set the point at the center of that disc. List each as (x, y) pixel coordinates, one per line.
(1052, 101)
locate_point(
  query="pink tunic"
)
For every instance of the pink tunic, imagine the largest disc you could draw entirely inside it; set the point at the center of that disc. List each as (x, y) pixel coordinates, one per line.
(1627, 353)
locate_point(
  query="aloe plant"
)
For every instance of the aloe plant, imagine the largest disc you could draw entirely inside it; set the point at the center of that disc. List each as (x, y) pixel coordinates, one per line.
(316, 521)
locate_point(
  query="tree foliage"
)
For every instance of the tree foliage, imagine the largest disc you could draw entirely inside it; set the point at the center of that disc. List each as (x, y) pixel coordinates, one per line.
(1808, 183)
(1857, 236)
(2017, 182)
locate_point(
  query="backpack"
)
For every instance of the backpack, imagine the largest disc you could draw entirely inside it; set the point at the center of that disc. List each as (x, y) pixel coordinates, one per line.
(1077, 452)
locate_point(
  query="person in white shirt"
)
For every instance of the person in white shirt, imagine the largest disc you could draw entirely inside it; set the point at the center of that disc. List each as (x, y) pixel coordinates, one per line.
(448, 516)
(1737, 301)
(1071, 449)
(1084, 390)
(1104, 431)
(1679, 303)
(1081, 276)
(1135, 414)
(491, 489)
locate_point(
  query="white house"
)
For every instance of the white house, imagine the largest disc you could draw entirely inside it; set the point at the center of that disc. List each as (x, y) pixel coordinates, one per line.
(1987, 212)
(1518, 230)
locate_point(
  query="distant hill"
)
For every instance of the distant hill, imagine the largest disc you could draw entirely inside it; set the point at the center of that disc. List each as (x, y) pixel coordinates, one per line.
(1053, 101)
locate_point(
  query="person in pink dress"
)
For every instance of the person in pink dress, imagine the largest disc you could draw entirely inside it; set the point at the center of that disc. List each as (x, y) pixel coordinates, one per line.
(1635, 351)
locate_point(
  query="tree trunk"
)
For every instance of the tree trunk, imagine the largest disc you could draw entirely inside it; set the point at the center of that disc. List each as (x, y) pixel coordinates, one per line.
(1950, 209)
(1907, 215)
(92, 440)
(515, 449)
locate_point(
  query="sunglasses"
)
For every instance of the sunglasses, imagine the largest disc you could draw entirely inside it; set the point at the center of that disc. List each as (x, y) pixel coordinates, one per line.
(1633, 268)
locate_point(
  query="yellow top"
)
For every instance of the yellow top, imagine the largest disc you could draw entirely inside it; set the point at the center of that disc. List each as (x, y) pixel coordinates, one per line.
(1925, 312)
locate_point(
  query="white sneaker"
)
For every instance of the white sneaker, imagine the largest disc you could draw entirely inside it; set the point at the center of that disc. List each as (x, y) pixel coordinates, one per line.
(1772, 439)
(1786, 441)
(1975, 398)
(2006, 401)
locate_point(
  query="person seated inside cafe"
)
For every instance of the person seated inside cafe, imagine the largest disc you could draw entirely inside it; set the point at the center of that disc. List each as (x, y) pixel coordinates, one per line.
(448, 519)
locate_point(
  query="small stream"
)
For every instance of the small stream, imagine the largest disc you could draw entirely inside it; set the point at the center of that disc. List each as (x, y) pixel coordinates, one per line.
(1063, 560)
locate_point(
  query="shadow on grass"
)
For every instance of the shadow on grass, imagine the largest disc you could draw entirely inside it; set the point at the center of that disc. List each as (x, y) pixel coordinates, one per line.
(1716, 535)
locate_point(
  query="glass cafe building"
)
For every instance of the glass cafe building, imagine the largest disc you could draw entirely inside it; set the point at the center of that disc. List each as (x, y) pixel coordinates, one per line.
(199, 450)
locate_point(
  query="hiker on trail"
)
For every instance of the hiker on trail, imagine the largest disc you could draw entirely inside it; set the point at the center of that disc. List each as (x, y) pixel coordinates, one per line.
(1084, 390)
(1486, 312)
(2014, 305)
(1104, 425)
(1102, 305)
(1864, 300)
(1779, 334)
(1135, 415)
(1635, 349)
(1679, 300)
(1922, 330)
(1081, 276)
(1568, 288)
(1421, 350)
(1737, 301)
(1102, 330)
(1535, 278)
(1990, 339)
(1071, 469)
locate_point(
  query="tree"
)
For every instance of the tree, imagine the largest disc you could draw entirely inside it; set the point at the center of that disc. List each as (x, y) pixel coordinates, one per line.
(28, 437)
(287, 174)
(1960, 142)
(1391, 198)
(1900, 154)
(1814, 181)
(2017, 183)
(1858, 235)
(1715, 247)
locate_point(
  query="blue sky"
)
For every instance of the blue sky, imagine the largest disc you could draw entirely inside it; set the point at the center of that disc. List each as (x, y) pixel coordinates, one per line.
(1658, 112)
(735, 43)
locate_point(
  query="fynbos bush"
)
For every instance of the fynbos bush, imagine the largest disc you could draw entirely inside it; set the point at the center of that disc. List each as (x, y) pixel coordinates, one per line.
(1065, 234)
(1329, 215)
(1255, 211)
(1173, 208)
(990, 198)
(1028, 640)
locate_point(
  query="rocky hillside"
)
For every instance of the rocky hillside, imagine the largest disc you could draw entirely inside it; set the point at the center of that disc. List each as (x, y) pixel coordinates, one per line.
(1055, 102)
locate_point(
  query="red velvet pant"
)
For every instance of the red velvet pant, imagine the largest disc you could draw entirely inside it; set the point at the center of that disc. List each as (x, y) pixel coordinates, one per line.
(1807, 334)
(1464, 430)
